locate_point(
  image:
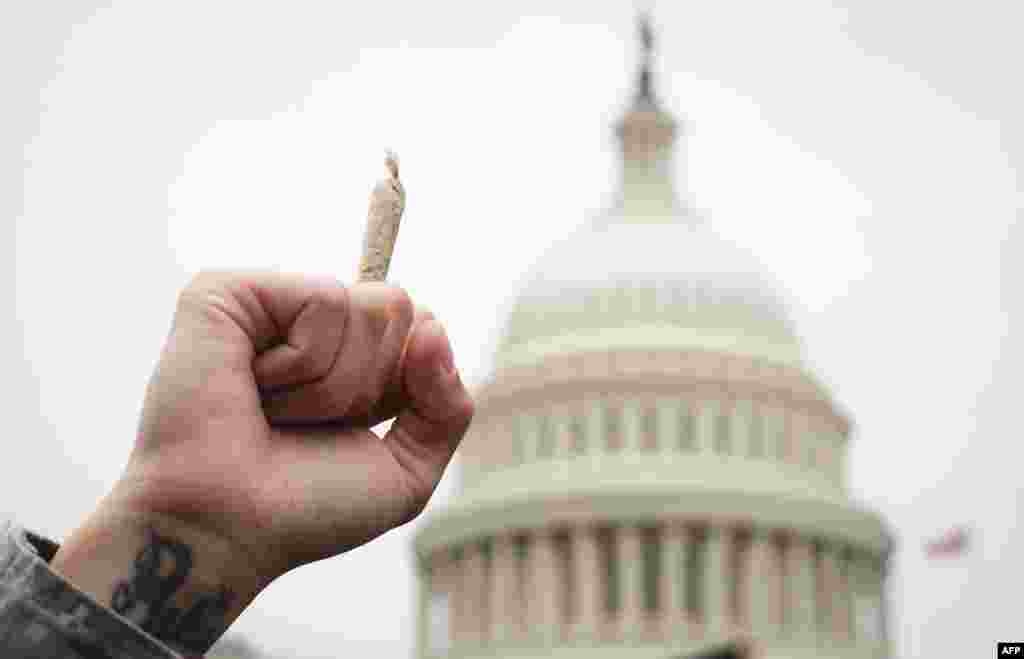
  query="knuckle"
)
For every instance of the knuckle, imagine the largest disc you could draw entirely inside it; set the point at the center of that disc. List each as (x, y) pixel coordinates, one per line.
(332, 304)
(210, 298)
(208, 304)
(468, 408)
(319, 296)
(461, 413)
(416, 500)
(413, 510)
(422, 313)
(204, 280)
(317, 359)
(200, 289)
(402, 303)
(359, 405)
(312, 365)
(336, 298)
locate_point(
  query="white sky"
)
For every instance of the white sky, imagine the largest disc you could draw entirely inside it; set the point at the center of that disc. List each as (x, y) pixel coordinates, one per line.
(870, 154)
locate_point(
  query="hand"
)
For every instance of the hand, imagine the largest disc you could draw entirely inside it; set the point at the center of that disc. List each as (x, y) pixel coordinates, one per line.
(255, 454)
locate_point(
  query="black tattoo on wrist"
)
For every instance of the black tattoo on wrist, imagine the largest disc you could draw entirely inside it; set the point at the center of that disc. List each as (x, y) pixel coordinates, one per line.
(160, 570)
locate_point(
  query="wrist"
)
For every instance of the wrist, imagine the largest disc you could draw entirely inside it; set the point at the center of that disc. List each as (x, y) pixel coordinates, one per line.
(182, 584)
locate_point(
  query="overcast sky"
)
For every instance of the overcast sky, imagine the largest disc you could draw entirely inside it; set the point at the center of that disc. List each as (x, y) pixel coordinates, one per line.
(871, 154)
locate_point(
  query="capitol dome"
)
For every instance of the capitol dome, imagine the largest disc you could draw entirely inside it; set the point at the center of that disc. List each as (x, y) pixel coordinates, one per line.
(621, 281)
(651, 466)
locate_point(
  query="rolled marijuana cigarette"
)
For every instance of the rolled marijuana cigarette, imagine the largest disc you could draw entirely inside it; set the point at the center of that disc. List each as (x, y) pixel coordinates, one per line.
(387, 201)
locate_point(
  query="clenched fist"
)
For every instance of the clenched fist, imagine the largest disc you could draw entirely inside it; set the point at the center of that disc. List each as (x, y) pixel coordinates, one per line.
(254, 453)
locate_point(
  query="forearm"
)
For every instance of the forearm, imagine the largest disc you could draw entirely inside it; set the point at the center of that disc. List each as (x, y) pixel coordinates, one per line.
(182, 585)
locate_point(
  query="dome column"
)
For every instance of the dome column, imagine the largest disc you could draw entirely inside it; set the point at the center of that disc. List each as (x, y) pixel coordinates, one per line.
(802, 588)
(587, 565)
(630, 557)
(542, 589)
(714, 577)
(459, 599)
(830, 604)
(760, 582)
(844, 625)
(675, 537)
(474, 613)
(503, 581)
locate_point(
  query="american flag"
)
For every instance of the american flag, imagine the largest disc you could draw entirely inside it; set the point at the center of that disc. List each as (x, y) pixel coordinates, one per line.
(951, 544)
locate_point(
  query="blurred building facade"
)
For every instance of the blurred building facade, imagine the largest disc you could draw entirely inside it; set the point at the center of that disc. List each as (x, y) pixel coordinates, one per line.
(652, 471)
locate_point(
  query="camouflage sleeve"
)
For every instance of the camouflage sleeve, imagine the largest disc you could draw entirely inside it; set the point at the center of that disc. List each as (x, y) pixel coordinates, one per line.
(44, 616)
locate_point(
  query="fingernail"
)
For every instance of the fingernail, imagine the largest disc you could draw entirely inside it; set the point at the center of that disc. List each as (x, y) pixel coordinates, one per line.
(445, 358)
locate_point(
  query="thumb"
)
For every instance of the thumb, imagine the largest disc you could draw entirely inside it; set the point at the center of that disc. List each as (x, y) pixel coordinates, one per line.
(426, 433)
